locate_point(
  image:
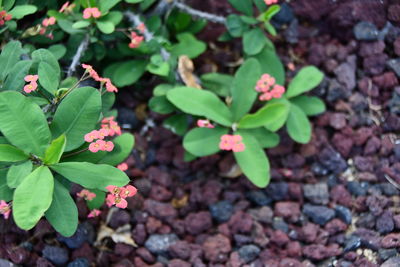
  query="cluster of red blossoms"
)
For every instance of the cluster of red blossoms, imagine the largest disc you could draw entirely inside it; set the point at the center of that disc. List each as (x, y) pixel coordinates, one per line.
(109, 127)
(118, 195)
(32, 83)
(231, 142)
(92, 73)
(45, 24)
(270, 2)
(269, 89)
(4, 17)
(136, 40)
(205, 124)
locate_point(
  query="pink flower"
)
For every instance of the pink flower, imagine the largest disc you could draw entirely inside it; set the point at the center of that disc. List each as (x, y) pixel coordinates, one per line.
(49, 21)
(96, 146)
(108, 146)
(94, 213)
(270, 2)
(86, 194)
(128, 191)
(231, 142)
(66, 7)
(136, 40)
(4, 17)
(117, 201)
(264, 86)
(91, 12)
(265, 96)
(141, 27)
(117, 195)
(107, 119)
(277, 91)
(238, 147)
(123, 166)
(89, 137)
(103, 133)
(204, 124)
(110, 87)
(31, 78)
(5, 209)
(32, 86)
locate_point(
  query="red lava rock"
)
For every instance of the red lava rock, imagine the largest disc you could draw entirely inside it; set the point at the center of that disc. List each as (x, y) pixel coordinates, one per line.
(367, 176)
(396, 46)
(139, 234)
(387, 146)
(335, 226)
(279, 238)
(18, 255)
(235, 260)
(160, 193)
(362, 135)
(288, 210)
(376, 204)
(162, 211)
(364, 164)
(196, 223)
(396, 220)
(42, 262)
(342, 143)
(372, 146)
(123, 250)
(216, 248)
(240, 222)
(386, 81)
(367, 87)
(145, 254)
(340, 195)
(394, 13)
(337, 120)
(308, 233)
(85, 251)
(288, 262)
(178, 263)
(152, 225)
(156, 175)
(391, 241)
(180, 249)
(295, 191)
(293, 249)
(371, 48)
(320, 252)
(375, 64)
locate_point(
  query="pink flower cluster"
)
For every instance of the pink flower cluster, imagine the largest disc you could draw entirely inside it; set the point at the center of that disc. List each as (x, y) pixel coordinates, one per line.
(32, 85)
(86, 194)
(123, 166)
(95, 76)
(94, 213)
(136, 40)
(5, 209)
(66, 8)
(4, 17)
(45, 24)
(231, 142)
(270, 2)
(268, 88)
(141, 27)
(204, 124)
(109, 127)
(91, 12)
(117, 195)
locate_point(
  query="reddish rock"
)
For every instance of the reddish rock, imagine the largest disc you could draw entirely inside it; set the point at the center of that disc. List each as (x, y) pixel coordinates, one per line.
(293, 249)
(216, 248)
(180, 249)
(391, 241)
(122, 249)
(367, 176)
(288, 262)
(160, 193)
(279, 238)
(340, 195)
(235, 260)
(371, 48)
(85, 251)
(364, 164)
(375, 64)
(156, 175)
(372, 146)
(145, 255)
(337, 120)
(320, 252)
(295, 191)
(196, 223)
(387, 80)
(162, 211)
(362, 135)
(240, 222)
(394, 13)
(139, 234)
(308, 233)
(367, 87)
(396, 220)
(178, 263)
(342, 143)
(152, 225)
(335, 226)
(396, 46)
(288, 210)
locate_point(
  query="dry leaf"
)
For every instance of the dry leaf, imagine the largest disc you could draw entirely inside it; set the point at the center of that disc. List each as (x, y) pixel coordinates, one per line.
(185, 70)
(120, 235)
(180, 203)
(233, 172)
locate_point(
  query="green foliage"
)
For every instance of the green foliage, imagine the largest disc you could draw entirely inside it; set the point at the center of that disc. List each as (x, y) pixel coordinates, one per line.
(305, 80)
(298, 125)
(203, 141)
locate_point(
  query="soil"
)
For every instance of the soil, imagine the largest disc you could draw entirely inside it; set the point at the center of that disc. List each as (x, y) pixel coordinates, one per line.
(329, 202)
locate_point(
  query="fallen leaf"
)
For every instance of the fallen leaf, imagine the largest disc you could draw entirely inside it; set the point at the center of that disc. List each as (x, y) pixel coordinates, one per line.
(185, 70)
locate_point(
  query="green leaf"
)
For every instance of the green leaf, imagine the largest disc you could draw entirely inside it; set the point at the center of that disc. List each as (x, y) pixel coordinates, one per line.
(48, 77)
(160, 104)
(106, 5)
(271, 64)
(91, 175)
(114, 16)
(55, 150)
(254, 41)
(9, 153)
(236, 27)
(6, 193)
(20, 11)
(260, 4)
(63, 213)
(158, 66)
(276, 124)
(15, 79)
(188, 45)
(108, 100)
(33, 197)
(244, 6)
(269, 114)
(66, 26)
(203, 141)
(298, 126)
(9, 57)
(106, 27)
(127, 72)
(162, 89)
(178, 124)
(8, 4)
(265, 138)
(243, 88)
(98, 201)
(43, 55)
(81, 24)
(123, 146)
(306, 79)
(311, 105)
(249, 20)
(58, 50)
(77, 115)
(201, 103)
(133, 1)
(217, 82)
(253, 161)
(23, 123)
(17, 173)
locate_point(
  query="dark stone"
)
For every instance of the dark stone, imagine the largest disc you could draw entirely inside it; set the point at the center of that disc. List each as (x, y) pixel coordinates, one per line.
(279, 224)
(180, 249)
(288, 210)
(357, 188)
(258, 197)
(221, 211)
(336, 91)
(162, 211)
(119, 218)
(84, 233)
(284, 16)
(369, 239)
(352, 243)
(385, 223)
(346, 74)
(385, 254)
(365, 31)
(196, 223)
(216, 248)
(371, 48)
(317, 193)
(375, 64)
(249, 253)
(388, 189)
(332, 160)
(366, 221)
(318, 214)
(79, 262)
(56, 255)
(159, 244)
(277, 191)
(392, 262)
(343, 213)
(127, 118)
(318, 169)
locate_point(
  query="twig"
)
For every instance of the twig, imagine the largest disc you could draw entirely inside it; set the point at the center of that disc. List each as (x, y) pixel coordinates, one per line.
(75, 60)
(199, 14)
(135, 20)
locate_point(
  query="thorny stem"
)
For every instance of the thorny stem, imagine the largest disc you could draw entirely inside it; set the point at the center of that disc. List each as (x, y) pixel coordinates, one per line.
(199, 14)
(135, 20)
(75, 60)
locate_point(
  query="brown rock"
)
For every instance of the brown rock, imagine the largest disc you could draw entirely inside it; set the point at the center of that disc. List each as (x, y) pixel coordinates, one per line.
(288, 210)
(391, 241)
(216, 248)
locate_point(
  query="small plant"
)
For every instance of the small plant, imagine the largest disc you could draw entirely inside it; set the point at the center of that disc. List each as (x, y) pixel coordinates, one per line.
(54, 134)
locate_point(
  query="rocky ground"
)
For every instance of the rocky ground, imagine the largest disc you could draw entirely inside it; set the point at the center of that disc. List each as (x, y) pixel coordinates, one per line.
(329, 202)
